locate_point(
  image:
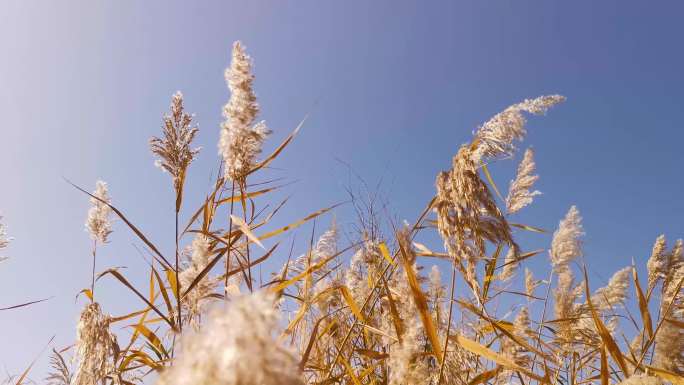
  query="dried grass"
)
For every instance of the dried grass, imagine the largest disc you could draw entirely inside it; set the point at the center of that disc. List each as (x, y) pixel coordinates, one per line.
(377, 319)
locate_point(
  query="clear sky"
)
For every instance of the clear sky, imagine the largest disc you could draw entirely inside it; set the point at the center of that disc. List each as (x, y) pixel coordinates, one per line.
(393, 89)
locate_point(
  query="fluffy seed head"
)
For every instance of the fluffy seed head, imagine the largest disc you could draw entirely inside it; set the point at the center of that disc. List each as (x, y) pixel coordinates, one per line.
(241, 139)
(657, 263)
(95, 346)
(4, 240)
(195, 301)
(615, 293)
(98, 223)
(530, 283)
(519, 194)
(173, 148)
(495, 138)
(235, 347)
(521, 325)
(510, 266)
(467, 215)
(566, 244)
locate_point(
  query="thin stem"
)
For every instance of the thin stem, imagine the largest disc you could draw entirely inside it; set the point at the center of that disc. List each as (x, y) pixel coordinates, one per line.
(230, 238)
(178, 283)
(541, 323)
(243, 187)
(92, 282)
(448, 331)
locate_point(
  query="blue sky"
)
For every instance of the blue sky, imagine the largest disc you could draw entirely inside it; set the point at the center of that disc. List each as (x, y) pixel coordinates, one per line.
(393, 89)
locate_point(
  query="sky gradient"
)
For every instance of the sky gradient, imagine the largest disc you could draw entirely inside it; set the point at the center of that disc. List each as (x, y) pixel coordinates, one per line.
(392, 88)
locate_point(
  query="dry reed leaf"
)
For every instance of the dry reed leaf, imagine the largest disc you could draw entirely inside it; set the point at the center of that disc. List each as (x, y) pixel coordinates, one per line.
(485, 376)
(123, 280)
(244, 227)
(372, 354)
(279, 149)
(162, 289)
(481, 350)
(352, 304)
(297, 223)
(250, 195)
(396, 320)
(421, 304)
(488, 328)
(528, 228)
(666, 375)
(141, 357)
(88, 293)
(24, 304)
(604, 367)
(385, 253)
(643, 304)
(127, 316)
(485, 169)
(489, 271)
(607, 339)
(350, 371)
(152, 338)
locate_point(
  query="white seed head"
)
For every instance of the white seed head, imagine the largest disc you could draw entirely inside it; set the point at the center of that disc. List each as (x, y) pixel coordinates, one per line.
(4, 239)
(98, 223)
(657, 263)
(235, 347)
(566, 244)
(495, 138)
(95, 346)
(519, 194)
(173, 149)
(615, 293)
(241, 139)
(510, 266)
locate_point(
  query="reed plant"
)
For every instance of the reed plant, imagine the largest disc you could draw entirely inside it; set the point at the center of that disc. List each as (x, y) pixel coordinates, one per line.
(367, 310)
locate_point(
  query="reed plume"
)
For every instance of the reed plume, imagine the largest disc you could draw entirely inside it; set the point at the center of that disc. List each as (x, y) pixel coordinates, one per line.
(519, 194)
(235, 348)
(566, 244)
(495, 138)
(531, 284)
(657, 263)
(174, 147)
(241, 138)
(510, 266)
(196, 300)
(98, 222)
(4, 239)
(96, 347)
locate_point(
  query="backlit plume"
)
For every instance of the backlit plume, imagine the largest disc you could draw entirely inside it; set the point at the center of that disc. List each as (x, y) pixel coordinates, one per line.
(566, 244)
(241, 138)
(495, 138)
(657, 263)
(98, 223)
(519, 194)
(95, 346)
(4, 240)
(235, 347)
(173, 149)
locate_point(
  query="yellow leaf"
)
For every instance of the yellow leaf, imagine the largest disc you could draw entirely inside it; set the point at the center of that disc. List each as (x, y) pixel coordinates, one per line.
(171, 277)
(297, 223)
(489, 354)
(244, 227)
(385, 253)
(667, 376)
(352, 304)
(491, 181)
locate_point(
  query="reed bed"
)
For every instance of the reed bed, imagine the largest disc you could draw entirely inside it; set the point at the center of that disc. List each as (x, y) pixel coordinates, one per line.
(367, 311)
